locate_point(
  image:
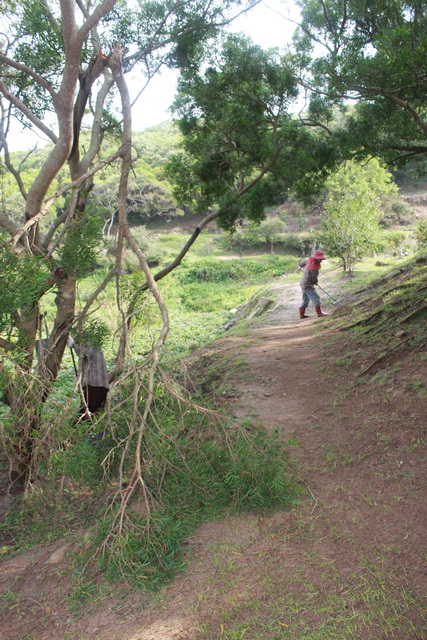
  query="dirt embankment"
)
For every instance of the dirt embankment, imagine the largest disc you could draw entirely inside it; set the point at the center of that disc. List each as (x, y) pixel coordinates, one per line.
(346, 563)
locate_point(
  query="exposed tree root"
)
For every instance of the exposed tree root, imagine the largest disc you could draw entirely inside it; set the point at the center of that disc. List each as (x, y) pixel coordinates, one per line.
(382, 356)
(364, 320)
(414, 313)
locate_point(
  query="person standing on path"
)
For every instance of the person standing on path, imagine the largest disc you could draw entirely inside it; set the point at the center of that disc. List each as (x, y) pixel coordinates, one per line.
(308, 281)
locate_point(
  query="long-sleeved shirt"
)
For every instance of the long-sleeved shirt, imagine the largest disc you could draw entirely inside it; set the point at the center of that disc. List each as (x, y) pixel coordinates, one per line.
(309, 278)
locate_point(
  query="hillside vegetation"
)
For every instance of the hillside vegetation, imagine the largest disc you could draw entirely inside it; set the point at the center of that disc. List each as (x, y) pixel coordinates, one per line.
(189, 452)
(363, 441)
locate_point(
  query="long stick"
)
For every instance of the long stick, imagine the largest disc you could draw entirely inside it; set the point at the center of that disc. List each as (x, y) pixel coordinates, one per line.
(74, 362)
(326, 293)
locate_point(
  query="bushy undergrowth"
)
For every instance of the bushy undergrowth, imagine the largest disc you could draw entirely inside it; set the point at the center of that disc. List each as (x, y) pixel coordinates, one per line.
(206, 290)
(293, 243)
(196, 466)
(223, 270)
(47, 514)
(210, 298)
(196, 472)
(391, 242)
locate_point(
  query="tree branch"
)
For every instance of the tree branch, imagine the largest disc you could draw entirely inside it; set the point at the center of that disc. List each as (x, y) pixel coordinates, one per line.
(177, 261)
(261, 174)
(412, 149)
(421, 124)
(96, 131)
(116, 66)
(86, 80)
(92, 20)
(76, 184)
(53, 227)
(7, 345)
(309, 123)
(8, 162)
(69, 28)
(29, 72)
(26, 111)
(94, 295)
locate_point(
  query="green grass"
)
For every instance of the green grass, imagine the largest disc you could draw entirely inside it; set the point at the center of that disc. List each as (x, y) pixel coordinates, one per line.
(200, 295)
(44, 516)
(369, 603)
(192, 476)
(170, 244)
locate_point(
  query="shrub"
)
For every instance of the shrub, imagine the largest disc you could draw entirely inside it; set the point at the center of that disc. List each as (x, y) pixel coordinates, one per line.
(213, 272)
(221, 271)
(401, 209)
(389, 241)
(251, 238)
(421, 234)
(206, 299)
(298, 242)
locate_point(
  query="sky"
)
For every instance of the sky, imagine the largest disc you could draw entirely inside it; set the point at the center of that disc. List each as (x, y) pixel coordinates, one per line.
(266, 24)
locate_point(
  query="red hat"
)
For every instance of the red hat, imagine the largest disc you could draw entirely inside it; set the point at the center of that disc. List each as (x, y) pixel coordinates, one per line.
(318, 255)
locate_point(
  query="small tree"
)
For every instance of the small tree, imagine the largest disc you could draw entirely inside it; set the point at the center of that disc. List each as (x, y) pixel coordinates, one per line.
(350, 224)
(271, 230)
(421, 234)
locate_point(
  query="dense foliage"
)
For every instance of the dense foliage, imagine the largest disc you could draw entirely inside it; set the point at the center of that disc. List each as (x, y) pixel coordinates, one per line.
(373, 53)
(242, 148)
(350, 224)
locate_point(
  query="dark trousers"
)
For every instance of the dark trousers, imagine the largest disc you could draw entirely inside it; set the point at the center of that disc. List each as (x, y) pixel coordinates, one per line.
(95, 398)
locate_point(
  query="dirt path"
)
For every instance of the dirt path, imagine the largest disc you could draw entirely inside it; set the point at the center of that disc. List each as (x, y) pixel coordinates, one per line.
(344, 564)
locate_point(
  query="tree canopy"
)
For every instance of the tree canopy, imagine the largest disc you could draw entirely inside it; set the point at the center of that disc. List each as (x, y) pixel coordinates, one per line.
(242, 148)
(373, 53)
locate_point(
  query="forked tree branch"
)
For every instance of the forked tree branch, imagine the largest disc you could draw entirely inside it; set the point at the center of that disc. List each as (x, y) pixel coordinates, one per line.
(76, 184)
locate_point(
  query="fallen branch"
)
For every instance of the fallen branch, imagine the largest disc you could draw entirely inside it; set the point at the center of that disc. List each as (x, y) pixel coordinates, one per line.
(316, 502)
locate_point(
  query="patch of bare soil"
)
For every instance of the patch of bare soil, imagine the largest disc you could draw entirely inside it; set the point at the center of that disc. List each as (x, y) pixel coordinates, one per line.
(346, 563)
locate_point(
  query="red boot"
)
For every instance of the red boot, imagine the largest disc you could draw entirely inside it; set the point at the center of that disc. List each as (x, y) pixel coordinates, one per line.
(302, 312)
(319, 311)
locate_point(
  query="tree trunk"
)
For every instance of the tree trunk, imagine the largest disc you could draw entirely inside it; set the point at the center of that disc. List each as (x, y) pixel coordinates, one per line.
(65, 302)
